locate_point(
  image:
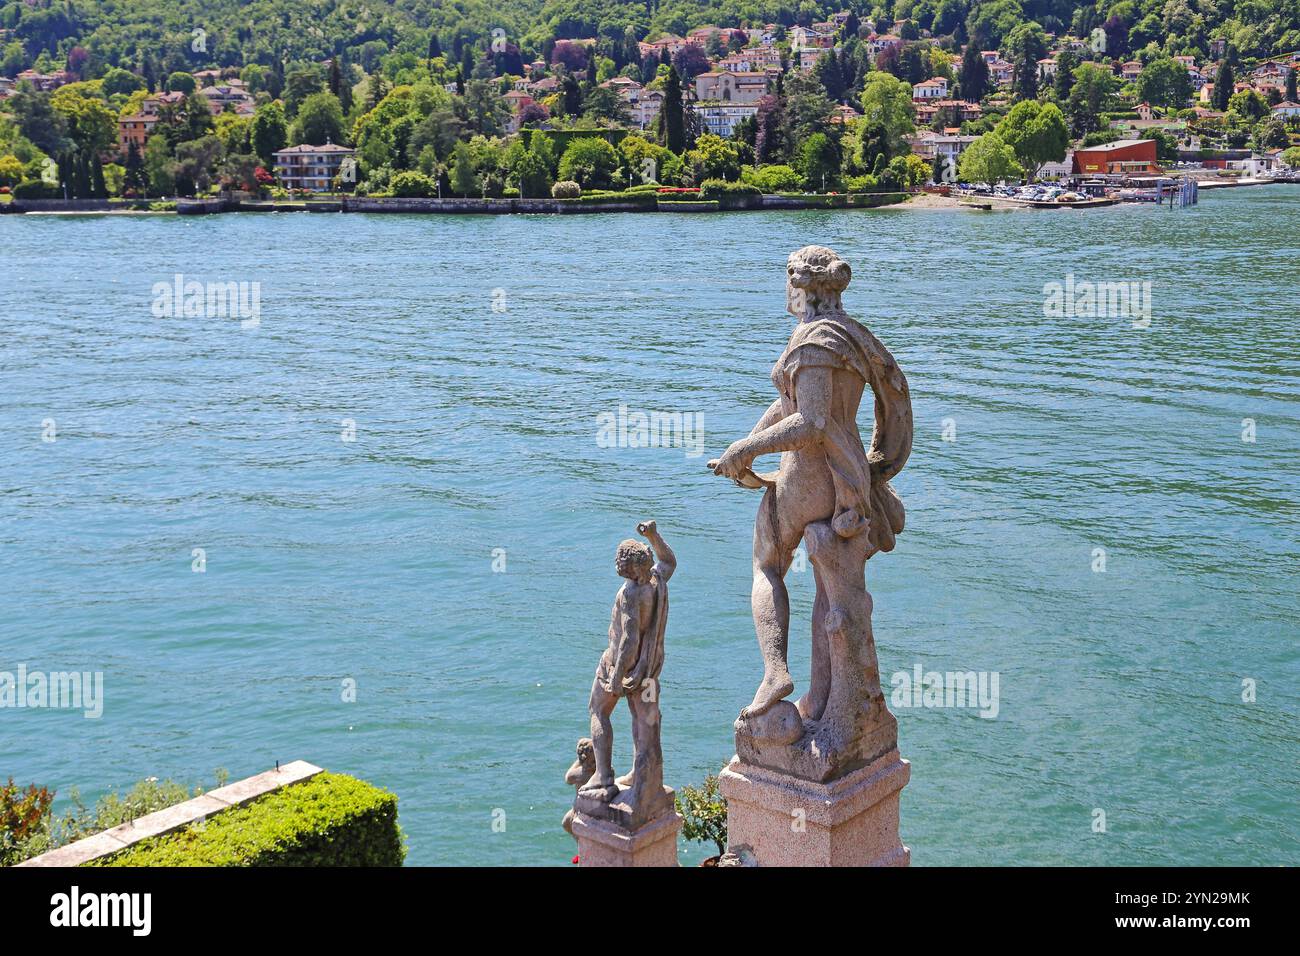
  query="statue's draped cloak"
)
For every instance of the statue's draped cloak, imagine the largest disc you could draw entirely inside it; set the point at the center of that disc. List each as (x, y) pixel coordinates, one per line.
(864, 497)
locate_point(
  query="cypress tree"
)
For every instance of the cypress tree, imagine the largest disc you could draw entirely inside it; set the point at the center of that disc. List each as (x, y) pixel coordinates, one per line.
(98, 188)
(974, 74)
(133, 179)
(572, 96)
(67, 184)
(1063, 82)
(377, 91)
(1223, 84)
(1025, 83)
(673, 119)
(631, 52)
(345, 84)
(84, 189)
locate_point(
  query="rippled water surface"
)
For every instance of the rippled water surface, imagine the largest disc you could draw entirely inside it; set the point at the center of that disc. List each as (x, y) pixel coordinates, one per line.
(476, 430)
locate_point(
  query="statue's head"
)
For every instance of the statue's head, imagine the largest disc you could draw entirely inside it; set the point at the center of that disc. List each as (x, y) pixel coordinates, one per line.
(815, 278)
(634, 560)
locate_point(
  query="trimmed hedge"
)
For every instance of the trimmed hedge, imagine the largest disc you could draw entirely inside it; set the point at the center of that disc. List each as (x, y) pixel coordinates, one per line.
(37, 189)
(846, 200)
(731, 195)
(330, 820)
(640, 197)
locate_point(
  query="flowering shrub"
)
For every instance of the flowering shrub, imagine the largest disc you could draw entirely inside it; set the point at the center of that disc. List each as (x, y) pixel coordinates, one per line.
(23, 814)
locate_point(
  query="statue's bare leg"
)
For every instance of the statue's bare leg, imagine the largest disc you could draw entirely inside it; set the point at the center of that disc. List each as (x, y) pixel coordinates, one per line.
(627, 778)
(601, 784)
(648, 769)
(771, 606)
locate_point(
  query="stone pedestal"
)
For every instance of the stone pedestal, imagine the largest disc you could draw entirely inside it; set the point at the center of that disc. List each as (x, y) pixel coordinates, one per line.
(816, 783)
(783, 820)
(605, 843)
(627, 831)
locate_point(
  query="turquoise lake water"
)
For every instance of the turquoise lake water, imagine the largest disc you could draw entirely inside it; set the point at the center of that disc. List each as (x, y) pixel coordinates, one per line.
(475, 356)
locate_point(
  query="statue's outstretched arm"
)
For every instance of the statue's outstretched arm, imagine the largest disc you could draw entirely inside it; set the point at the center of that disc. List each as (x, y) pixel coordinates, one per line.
(768, 418)
(795, 431)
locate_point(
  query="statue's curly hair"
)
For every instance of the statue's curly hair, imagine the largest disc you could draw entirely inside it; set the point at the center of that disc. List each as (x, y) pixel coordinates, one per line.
(633, 556)
(819, 267)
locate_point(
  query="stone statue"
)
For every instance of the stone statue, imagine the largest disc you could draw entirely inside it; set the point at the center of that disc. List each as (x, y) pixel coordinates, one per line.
(579, 772)
(629, 669)
(834, 495)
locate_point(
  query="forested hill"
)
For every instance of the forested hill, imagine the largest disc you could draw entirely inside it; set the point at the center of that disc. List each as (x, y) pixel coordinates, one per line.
(160, 35)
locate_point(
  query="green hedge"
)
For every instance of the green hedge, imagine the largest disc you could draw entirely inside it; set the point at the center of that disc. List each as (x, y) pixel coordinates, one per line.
(847, 200)
(37, 189)
(731, 195)
(641, 197)
(329, 820)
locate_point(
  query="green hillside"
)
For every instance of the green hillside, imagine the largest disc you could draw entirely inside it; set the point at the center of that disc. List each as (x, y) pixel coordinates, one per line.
(159, 34)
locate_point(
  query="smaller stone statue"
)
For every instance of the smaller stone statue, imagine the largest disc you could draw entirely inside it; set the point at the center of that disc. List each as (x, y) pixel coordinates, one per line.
(629, 669)
(579, 772)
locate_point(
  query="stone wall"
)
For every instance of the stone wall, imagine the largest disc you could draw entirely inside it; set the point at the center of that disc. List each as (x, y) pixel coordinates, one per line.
(199, 207)
(73, 205)
(375, 204)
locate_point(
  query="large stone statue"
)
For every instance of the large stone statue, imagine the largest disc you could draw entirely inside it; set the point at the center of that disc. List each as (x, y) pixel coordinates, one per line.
(611, 811)
(833, 494)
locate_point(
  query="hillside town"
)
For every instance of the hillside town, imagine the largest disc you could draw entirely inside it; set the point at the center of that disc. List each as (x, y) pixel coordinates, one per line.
(842, 105)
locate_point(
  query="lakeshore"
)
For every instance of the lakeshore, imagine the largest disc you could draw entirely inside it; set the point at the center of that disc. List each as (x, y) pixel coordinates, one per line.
(349, 204)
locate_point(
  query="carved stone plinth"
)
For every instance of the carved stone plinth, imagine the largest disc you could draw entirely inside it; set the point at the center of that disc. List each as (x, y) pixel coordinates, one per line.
(623, 810)
(776, 819)
(605, 841)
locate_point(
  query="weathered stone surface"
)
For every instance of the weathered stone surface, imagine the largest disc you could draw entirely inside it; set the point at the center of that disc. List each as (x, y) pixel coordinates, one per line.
(250, 788)
(75, 854)
(623, 809)
(774, 819)
(833, 495)
(816, 783)
(167, 820)
(605, 843)
(579, 772)
(629, 670)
